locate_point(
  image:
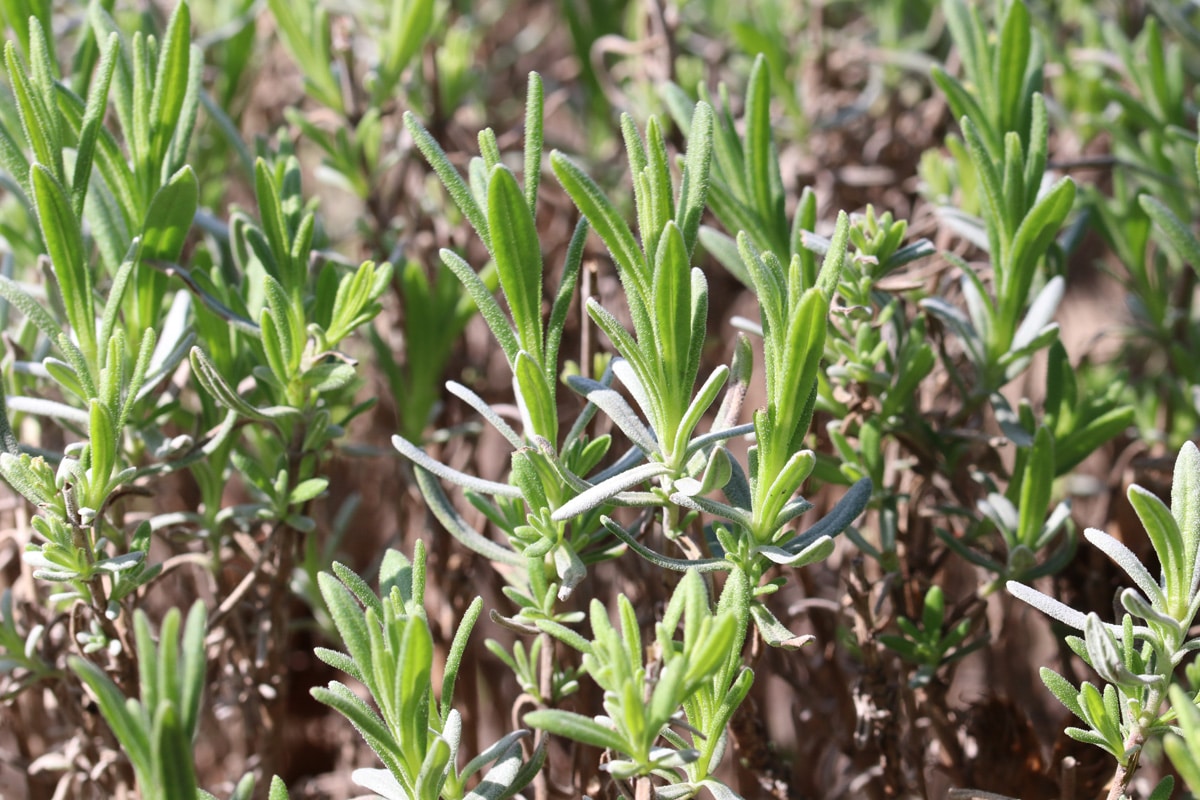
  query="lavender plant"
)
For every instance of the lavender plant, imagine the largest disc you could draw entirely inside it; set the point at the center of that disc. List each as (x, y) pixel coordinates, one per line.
(1137, 657)
(125, 275)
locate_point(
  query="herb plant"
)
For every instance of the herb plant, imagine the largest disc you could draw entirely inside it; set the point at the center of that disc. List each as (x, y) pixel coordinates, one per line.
(704, 307)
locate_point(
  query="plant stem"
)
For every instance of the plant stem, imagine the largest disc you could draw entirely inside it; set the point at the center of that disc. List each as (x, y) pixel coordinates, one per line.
(1134, 743)
(1121, 781)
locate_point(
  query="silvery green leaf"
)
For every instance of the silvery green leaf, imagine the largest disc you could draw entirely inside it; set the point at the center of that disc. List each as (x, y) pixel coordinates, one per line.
(724, 250)
(1061, 611)
(546, 448)
(339, 661)
(381, 782)
(630, 458)
(659, 560)
(792, 509)
(48, 408)
(1001, 512)
(37, 560)
(1010, 422)
(719, 790)
(206, 372)
(773, 631)
(669, 758)
(1040, 314)
(621, 769)
(1185, 506)
(979, 307)
(570, 569)
(737, 489)
(1047, 605)
(56, 576)
(498, 781)
(470, 482)
(625, 373)
(329, 377)
(1185, 648)
(486, 411)
(496, 750)
(1124, 558)
(704, 398)
(1015, 361)
(1137, 605)
(613, 404)
(746, 325)
(452, 730)
(1058, 518)
(819, 550)
(32, 640)
(838, 518)
(1103, 654)
(676, 791)
(712, 437)
(603, 492)
(19, 476)
(717, 509)
(959, 323)
(965, 225)
(120, 563)
(458, 527)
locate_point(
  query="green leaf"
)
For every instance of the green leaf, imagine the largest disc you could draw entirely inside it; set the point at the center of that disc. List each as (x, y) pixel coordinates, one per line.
(608, 222)
(537, 397)
(773, 631)
(176, 771)
(672, 317)
(489, 309)
(963, 104)
(518, 255)
(534, 111)
(1036, 485)
(761, 162)
(351, 626)
(1184, 751)
(563, 299)
(454, 656)
(1185, 508)
(119, 717)
(35, 116)
(693, 189)
(1033, 238)
(704, 398)
(206, 372)
(103, 439)
(366, 721)
(409, 23)
(64, 241)
(288, 327)
(1167, 540)
(195, 663)
(93, 120)
(577, 727)
(170, 82)
(1062, 689)
(307, 38)
(414, 668)
(13, 293)
(453, 182)
(274, 224)
(1012, 59)
(170, 216)
(307, 490)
